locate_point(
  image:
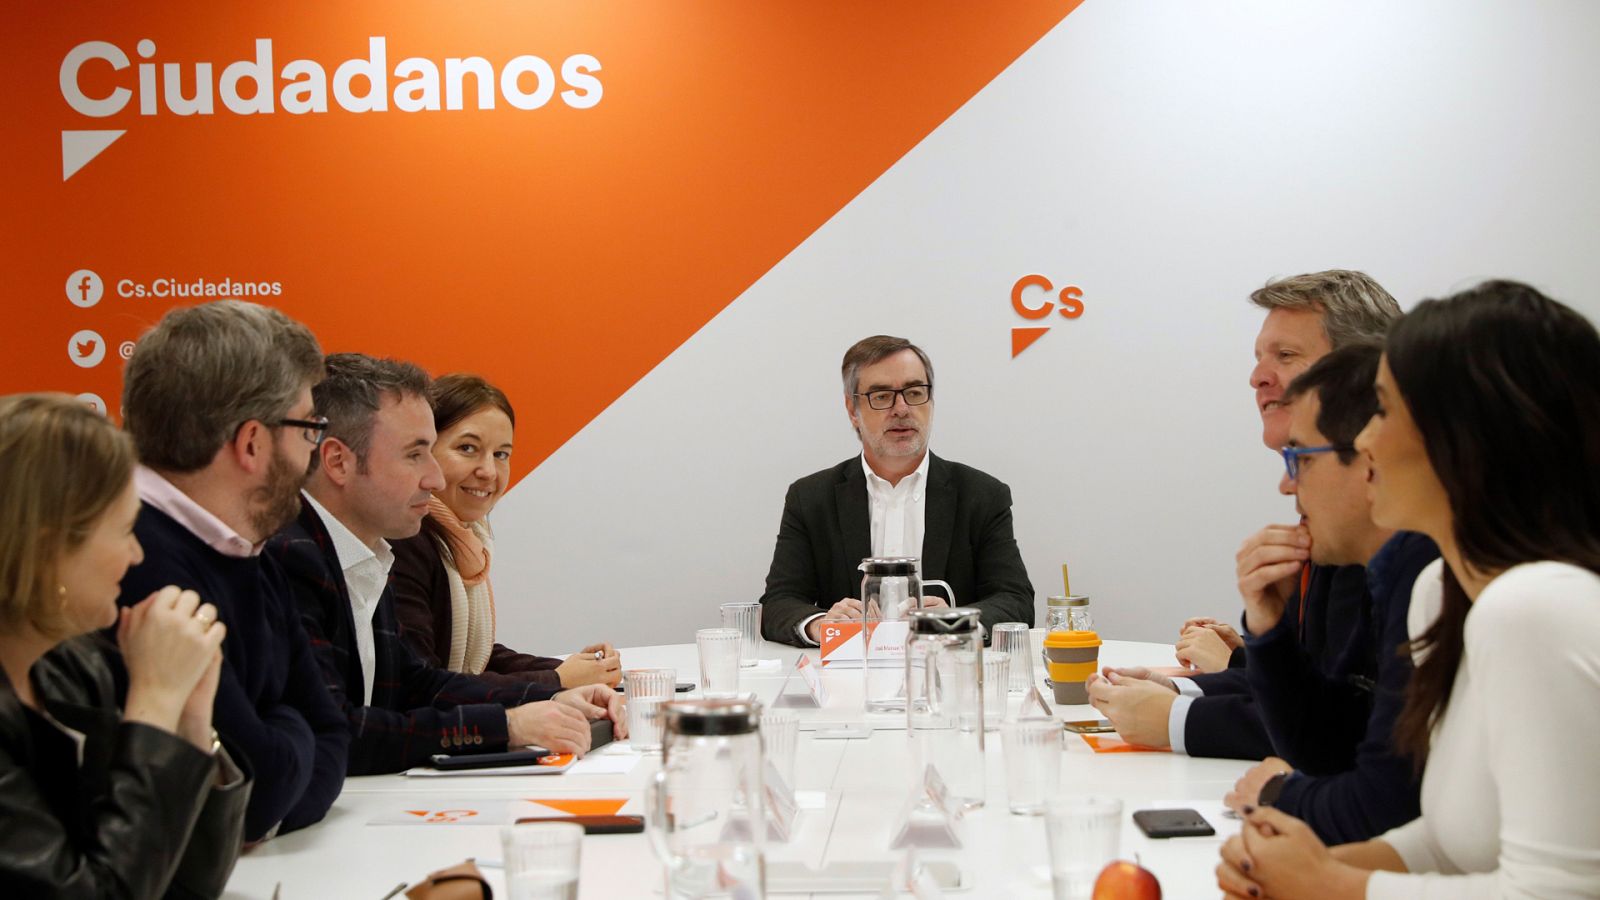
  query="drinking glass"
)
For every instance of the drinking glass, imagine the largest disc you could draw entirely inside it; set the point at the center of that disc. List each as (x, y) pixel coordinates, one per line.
(780, 735)
(719, 661)
(646, 690)
(1012, 638)
(746, 618)
(1041, 671)
(1084, 833)
(996, 676)
(1033, 763)
(542, 860)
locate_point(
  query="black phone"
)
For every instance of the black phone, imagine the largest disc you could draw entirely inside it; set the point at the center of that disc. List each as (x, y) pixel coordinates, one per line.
(1170, 823)
(596, 824)
(452, 761)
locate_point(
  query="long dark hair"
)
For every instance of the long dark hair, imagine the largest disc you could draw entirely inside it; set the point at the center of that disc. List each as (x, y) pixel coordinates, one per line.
(453, 398)
(1504, 386)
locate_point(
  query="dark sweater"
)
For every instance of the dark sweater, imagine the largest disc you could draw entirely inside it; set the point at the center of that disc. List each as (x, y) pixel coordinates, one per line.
(422, 604)
(417, 710)
(1225, 722)
(271, 705)
(1336, 726)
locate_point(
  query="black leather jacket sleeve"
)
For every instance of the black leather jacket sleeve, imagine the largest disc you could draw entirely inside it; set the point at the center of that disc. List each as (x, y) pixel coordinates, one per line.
(127, 826)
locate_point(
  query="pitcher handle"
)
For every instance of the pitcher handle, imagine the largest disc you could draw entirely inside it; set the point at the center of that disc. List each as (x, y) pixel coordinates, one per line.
(950, 592)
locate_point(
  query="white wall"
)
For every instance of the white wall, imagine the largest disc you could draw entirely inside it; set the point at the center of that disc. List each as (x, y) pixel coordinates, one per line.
(1168, 158)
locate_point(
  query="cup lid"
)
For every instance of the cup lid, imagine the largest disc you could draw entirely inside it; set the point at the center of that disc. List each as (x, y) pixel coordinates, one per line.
(1068, 600)
(1072, 639)
(711, 717)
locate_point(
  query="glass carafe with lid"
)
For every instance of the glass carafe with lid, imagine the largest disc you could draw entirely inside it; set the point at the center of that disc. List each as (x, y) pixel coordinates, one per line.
(944, 701)
(891, 589)
(706, 811)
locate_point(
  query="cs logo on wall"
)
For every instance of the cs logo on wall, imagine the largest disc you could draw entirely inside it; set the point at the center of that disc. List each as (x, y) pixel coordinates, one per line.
(1068, 303)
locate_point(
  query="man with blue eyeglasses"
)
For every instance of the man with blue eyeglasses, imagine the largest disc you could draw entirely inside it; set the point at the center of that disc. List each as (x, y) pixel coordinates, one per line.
(1215, 714)
(1323, 666)
(1331, 722)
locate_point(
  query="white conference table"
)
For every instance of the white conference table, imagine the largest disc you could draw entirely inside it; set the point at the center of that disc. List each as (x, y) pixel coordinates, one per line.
(347, 855)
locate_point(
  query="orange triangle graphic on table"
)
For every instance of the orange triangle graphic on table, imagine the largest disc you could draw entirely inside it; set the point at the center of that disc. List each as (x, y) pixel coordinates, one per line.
(596, 807)
(561, 252)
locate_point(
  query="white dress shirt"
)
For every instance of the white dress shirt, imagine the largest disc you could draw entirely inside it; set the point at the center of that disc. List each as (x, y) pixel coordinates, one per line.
(897, 514)
(366, 573)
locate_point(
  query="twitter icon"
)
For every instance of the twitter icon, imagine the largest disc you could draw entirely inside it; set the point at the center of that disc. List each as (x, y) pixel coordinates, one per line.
(86, 348)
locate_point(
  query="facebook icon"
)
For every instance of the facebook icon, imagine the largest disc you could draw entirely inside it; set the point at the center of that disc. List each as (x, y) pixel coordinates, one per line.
(84, 288)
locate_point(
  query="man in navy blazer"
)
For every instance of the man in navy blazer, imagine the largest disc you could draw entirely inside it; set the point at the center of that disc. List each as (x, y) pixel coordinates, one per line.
(373, 477)
(895, 499)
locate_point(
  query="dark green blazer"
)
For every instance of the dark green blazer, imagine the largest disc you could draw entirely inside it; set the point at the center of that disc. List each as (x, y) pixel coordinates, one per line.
(826, 531)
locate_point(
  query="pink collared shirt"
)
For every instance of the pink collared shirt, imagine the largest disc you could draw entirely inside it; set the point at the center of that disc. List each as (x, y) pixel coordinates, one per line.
(201, 522)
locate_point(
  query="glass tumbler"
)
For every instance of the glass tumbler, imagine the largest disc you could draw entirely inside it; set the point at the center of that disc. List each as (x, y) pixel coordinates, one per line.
(746, 618)
(719, 661)
(646, 690)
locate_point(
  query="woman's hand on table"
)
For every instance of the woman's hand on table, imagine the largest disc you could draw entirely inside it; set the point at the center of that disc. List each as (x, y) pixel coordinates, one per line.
(1276, 855)
(594, 664)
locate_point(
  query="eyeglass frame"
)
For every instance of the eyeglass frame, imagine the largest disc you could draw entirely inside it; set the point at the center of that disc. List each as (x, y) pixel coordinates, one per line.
(898, 393)
(317, 424)
(1291, 456)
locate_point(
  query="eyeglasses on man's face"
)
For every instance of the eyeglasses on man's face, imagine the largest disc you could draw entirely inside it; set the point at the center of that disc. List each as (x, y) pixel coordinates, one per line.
(1291, 456)
(313, 429)
(914, 395)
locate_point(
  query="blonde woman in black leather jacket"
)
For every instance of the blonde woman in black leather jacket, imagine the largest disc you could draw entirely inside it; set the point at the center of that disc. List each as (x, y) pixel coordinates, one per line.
(112, 783)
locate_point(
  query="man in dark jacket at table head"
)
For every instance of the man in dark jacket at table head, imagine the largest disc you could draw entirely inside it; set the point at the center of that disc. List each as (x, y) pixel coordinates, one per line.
(895, 499)
(217, 398)
(372, 479)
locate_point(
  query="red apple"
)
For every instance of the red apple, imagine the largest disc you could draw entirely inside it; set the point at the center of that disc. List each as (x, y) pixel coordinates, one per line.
(1123, 880)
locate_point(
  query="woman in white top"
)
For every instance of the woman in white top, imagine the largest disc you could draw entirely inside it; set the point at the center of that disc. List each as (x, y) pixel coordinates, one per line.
(1487, 439)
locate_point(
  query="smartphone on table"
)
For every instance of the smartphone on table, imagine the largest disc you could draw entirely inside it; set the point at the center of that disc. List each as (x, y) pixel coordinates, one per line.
(1090, 726)
(595, 824)
(1171, 823)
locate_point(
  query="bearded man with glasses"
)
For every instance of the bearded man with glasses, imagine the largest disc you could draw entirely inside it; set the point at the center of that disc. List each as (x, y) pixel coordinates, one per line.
(894, 499)
(218, 400)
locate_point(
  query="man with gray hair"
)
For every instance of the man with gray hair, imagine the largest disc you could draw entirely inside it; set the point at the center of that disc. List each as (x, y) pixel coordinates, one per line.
(894, 499)
(1212, 713)
(1308, 316)
(218, 400)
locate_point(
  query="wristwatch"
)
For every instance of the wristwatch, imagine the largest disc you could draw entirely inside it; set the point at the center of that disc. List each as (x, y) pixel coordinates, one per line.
(1272, 789)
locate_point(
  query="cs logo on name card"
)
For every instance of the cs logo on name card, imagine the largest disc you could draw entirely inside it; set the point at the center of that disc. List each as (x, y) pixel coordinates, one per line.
(1068, 303)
